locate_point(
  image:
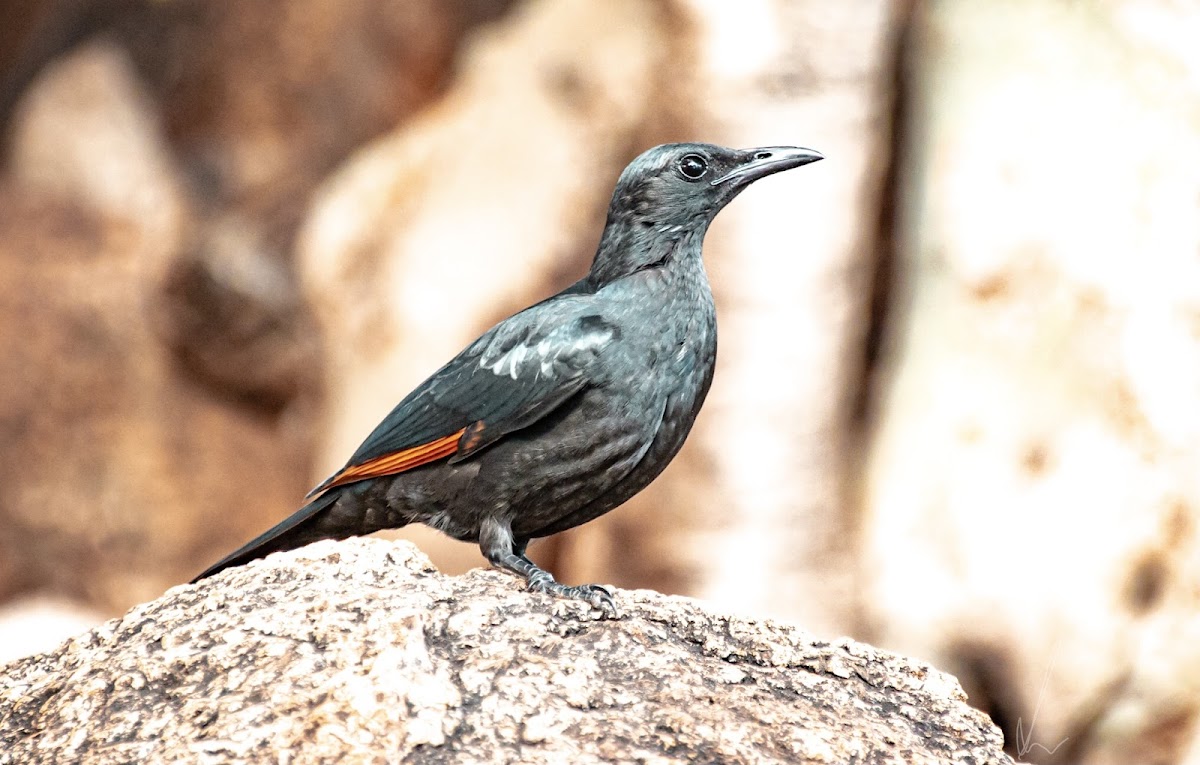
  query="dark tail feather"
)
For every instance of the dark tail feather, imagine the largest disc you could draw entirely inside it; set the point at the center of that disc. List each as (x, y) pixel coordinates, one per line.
(287, 535)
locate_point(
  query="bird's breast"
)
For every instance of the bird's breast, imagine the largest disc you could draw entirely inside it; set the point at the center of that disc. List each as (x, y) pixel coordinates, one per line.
(668, 350)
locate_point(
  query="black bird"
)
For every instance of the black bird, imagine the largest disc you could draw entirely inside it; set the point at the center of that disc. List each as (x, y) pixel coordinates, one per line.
(565, 410)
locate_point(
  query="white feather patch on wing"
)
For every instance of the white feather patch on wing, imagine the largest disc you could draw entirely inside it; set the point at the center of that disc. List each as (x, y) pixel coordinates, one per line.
(547, 354)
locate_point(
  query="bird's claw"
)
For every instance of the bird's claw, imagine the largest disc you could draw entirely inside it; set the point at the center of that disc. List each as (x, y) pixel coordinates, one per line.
(596, 595)
(599, 596)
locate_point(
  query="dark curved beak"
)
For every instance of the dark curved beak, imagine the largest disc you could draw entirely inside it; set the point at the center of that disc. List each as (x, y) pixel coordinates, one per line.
(762, 162)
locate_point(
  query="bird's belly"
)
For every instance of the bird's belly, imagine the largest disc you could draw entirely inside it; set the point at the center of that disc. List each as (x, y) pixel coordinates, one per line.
(548, 476)
(673, 429)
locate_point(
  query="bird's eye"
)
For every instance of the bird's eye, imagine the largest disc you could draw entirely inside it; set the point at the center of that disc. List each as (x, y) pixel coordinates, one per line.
(693, 166)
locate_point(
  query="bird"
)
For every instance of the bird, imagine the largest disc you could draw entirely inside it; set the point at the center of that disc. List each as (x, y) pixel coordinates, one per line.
(565, 410)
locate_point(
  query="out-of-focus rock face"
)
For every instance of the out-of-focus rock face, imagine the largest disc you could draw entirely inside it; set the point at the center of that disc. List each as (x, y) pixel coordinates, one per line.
(1034, 487)
(232, 314)
(112, 459)
(32, 32)
(116, 469)
(752, 514)
(477, 208)
(159, 356)
(86, 133)
(261, 101)
(360, 652)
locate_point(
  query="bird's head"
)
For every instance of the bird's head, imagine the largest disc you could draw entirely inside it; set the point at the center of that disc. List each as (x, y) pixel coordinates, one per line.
(669, 195)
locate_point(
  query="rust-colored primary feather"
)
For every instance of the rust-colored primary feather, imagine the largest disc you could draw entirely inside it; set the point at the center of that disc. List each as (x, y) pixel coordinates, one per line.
(474, 436)
(396, 462)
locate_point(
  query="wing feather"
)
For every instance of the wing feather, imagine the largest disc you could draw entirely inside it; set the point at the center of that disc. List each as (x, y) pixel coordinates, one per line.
(513, 376)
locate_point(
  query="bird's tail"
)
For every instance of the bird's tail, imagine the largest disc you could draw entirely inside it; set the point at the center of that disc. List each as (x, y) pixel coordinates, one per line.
(296, 530)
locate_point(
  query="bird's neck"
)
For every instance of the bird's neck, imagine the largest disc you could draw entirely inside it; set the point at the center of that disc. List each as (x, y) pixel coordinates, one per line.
(628, 247)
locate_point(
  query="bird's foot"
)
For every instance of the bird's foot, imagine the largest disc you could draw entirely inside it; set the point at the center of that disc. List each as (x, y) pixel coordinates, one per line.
(598, 596)
(499, 548)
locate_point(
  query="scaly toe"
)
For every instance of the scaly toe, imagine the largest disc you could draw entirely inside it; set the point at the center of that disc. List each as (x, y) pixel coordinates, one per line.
(595, 595)
(598, 596)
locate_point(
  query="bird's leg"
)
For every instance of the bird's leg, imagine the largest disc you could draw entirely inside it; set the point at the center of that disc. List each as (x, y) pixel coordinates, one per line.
(519, 547)
(496, 542)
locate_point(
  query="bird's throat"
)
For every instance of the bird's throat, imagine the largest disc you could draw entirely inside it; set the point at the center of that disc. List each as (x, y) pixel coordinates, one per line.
(629, 249)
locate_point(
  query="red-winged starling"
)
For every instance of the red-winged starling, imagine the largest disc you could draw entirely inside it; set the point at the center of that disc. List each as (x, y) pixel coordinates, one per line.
(565, 410)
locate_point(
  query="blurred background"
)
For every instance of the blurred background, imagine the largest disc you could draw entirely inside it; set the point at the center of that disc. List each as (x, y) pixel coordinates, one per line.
(957, 407)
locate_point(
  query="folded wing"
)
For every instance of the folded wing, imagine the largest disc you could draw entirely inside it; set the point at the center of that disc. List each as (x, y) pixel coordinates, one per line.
(516, 374)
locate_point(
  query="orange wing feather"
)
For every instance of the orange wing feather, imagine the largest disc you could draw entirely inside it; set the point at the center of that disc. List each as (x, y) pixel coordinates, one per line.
(396, 462)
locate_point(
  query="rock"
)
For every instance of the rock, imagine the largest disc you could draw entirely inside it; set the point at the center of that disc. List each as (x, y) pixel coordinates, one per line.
(360, 651)
(120, 474)
(261, 101)
(231, 312)
(1033, 489)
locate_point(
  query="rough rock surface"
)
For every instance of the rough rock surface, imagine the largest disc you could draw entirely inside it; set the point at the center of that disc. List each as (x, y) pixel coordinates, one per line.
(361, 652)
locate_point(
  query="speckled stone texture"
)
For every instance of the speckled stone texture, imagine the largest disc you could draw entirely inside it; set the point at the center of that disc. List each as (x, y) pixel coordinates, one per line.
(360, 651)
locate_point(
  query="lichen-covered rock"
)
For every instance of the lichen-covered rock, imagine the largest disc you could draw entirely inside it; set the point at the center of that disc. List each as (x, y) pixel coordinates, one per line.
(360, 651)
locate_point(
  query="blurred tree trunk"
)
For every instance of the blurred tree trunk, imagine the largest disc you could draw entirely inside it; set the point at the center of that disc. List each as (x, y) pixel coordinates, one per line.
(1034, 480)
